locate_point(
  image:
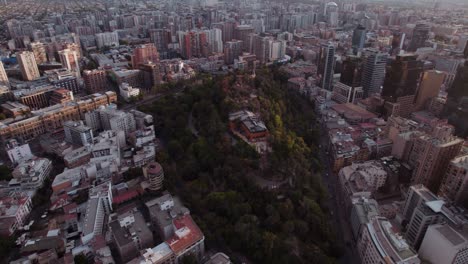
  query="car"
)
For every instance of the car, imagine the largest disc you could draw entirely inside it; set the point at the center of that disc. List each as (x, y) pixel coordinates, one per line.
(43, 216)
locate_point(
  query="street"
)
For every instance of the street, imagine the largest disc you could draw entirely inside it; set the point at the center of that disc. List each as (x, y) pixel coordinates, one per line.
(337, 213)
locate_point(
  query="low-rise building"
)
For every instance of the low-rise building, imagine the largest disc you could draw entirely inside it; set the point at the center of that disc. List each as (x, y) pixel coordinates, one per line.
(250, 128)
(128, 92)
(18, 153)
(130, 234)
(14, 210)
(30, 174)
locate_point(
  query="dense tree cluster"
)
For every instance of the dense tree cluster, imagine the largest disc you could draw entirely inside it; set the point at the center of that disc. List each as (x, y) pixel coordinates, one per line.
(216, 178)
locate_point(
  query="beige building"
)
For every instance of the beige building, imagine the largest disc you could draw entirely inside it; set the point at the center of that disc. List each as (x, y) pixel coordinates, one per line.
(455, 183)
(431, 158)
(52, 118)
(28, 65)
(3, 76)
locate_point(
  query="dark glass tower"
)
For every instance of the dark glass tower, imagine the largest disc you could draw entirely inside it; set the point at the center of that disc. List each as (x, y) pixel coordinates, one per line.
(359, 38)
(420, 36)
(402, 77)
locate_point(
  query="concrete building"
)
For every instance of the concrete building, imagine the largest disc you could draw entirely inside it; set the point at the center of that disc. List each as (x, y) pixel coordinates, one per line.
(232, 50)
(242, 32)
(443, 244)
(14, 210)
(431, 158)
(38, 48)
(3, 76)
(161, 254)
(63, 78)
(103, 192)
(18, 153)
(429, 88)
(69, 59)
(77, 133)
(155, 175)
(455, 183)
(162, 211)
(107, 39)
(128, 92)
(95, 80)
(343, 93)
(28, 66)
(130, 234)
(362, 211)
(144, 54)
(93, 221)
(51, 118)
(30, 174)
(381, 243)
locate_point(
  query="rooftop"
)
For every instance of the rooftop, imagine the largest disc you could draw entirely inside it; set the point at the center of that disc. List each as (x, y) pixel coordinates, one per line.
(389, 243)
(187, 233)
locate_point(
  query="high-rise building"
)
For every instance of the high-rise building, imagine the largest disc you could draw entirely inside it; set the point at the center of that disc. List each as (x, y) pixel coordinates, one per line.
(326, 65)
(359, 38)
(193, 44)
(38, 48)
(374, 63)
(69, 59)
(432, 157)
(155, 175)
(18, 153)
(151, 74)
(161, 38)
(277, 49)
(232, 50)
(455, 183)
(402, 79)
(259, 46)
(242, 32)
(95, 80)
(3, 76)
(431, 83)
(420, 36)
(351, 71)
(107, 39)
(28, 66)
(397, 42)
(144, 54)
(77, 133)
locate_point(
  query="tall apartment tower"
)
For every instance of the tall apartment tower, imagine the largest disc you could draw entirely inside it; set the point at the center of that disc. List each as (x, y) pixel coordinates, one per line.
(242, 32)
(38, 48)
(3, 76)
(144, 54)
(374, 63)
(28, 66)
(401, 82)
(326, 65)
(359, 38)
(420, 36)
(432, 157)
(455, 183)
(155, 175)
(232, 51)
(69, 59)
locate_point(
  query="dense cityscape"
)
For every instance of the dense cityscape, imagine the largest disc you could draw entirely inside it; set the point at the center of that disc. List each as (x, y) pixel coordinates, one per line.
(219, 132)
